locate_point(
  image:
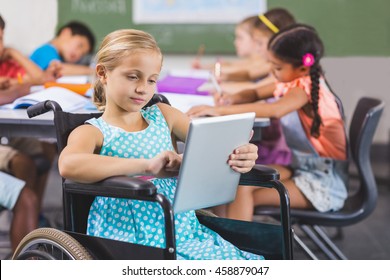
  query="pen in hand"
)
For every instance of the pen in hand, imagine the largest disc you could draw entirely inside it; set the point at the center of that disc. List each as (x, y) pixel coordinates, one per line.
(216, 84)
(215, 79)
(217, 70)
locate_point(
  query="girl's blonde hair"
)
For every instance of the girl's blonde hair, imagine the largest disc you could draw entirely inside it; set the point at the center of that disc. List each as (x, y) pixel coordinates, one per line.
(114, 48)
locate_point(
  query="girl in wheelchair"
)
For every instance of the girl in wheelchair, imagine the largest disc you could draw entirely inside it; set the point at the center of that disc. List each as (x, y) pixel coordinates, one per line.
(131, 140)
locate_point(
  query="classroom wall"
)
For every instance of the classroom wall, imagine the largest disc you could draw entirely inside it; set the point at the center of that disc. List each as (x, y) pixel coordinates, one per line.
(28, 23)
(350, 18)
(31, 23)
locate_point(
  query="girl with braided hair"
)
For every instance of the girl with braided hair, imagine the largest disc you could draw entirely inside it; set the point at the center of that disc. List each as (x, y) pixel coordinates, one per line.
(312, 121)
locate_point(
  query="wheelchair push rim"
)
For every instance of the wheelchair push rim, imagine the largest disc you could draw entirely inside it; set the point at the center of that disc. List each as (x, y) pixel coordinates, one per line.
(50, 244)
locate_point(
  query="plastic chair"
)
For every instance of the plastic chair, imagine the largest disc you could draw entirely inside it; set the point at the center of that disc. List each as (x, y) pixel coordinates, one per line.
(271, 241)
(358, 205)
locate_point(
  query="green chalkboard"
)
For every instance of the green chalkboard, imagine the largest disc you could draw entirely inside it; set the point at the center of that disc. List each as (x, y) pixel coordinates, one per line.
(347, 27)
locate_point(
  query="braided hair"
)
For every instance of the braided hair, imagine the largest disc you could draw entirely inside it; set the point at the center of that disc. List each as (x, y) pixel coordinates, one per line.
(291, 45)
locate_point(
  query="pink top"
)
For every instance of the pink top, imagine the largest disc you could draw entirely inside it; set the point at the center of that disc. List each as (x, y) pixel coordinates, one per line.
(10, 69)
(331, 142)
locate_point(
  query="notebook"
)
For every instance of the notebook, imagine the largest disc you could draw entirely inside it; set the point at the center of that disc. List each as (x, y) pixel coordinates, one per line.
(184, 85)
(205, 179)
(68, 100)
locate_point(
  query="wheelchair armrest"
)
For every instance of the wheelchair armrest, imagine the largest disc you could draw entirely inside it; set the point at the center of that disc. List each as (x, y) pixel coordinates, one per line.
(76, 209)
(259, 175)
(263, 176)
(118, 186)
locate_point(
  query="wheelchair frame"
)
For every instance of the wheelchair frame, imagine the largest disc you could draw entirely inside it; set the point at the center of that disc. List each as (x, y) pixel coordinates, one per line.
(271, 241)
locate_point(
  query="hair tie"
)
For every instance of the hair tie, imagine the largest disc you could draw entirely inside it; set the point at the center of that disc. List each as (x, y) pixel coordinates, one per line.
(308, 60)
(268, 23)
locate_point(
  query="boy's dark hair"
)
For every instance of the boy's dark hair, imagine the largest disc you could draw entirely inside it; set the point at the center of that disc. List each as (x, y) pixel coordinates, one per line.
(290, 45)
(2, 23)
(79, 28)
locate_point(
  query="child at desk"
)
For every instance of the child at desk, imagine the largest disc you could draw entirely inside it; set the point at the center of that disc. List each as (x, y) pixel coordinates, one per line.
(246, 51)
(272, 146)
(73, 41)
(129, 140)
(251, 38)
(15, 68)
(257, 72)
(28, 159)
(313, 123)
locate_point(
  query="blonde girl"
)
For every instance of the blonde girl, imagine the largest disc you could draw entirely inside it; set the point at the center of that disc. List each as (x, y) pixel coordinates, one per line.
(129, 139)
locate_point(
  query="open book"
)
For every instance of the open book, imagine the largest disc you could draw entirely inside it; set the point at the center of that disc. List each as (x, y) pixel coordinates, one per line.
(68, 100)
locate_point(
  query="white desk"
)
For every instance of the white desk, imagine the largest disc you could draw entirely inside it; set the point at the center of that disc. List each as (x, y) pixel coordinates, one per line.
(17, 123)
(185, 101)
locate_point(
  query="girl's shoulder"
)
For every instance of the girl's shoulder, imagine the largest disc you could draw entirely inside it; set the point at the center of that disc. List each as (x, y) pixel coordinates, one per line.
(87, 132)
(100, 126)
(97, 122)
(171, 115)
(154, 113)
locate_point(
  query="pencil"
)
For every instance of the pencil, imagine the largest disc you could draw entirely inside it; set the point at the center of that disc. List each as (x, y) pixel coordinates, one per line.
(215, 83)
(20, 78)
(217, 70)
(200, 51)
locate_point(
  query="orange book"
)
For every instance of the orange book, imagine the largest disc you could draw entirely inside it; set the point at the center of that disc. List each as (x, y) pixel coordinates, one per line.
(78, 88)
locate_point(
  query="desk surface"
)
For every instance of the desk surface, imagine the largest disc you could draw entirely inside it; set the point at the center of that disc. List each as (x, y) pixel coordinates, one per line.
(17, 123)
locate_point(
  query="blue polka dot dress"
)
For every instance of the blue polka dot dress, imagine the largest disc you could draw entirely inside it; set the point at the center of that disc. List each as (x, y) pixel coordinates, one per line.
(143, 222)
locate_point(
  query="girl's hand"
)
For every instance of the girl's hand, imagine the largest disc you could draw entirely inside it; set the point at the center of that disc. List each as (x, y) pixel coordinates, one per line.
(243, 158)
(223, 99)
(196, 64)
(4, 83)
(54, 71)
(6, 54)
(165, 165)
(202, 110)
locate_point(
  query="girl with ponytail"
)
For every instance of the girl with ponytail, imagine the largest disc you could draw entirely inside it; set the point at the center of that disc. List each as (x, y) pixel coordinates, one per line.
(312, 120)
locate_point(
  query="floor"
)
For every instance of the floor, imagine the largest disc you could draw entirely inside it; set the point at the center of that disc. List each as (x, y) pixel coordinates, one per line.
(367, 240)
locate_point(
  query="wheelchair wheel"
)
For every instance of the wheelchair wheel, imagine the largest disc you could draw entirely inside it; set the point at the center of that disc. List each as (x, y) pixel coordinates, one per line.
(50, 244)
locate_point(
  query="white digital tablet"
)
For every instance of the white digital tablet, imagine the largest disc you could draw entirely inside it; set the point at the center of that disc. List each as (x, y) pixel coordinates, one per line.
(205, 178)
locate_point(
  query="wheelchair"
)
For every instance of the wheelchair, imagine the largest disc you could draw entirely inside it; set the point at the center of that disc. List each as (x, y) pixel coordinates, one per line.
(273, 241)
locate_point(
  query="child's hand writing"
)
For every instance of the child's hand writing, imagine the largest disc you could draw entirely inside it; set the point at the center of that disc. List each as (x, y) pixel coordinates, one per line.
(165, 165)
(222, 99)
(6, 54)
(195, 64)
(4, 83)
(54, 71)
